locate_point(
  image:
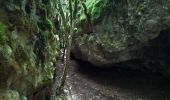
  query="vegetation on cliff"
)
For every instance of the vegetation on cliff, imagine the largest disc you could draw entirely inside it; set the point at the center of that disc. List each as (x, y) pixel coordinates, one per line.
(28, 47)
(102, 32)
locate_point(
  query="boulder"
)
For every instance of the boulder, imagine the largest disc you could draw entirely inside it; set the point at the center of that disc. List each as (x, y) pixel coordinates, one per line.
(121, 31)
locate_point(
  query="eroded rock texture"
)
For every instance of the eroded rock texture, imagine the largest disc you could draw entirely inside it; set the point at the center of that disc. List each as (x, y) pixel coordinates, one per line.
(27, 47)
(120, 31)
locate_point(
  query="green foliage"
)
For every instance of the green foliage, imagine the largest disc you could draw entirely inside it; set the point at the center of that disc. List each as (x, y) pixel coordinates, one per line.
(67, 13)
(75, 8)
(93, 9)
(85, 8)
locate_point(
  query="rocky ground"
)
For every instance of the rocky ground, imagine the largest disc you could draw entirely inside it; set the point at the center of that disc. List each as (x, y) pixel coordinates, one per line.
(85, 82)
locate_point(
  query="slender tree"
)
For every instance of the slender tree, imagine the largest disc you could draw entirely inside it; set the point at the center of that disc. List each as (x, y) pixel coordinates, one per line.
(67, 10)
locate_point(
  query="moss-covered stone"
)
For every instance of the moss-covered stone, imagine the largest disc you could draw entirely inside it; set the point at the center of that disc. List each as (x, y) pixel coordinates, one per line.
(121, 31)
(27, 51)
(9, 95)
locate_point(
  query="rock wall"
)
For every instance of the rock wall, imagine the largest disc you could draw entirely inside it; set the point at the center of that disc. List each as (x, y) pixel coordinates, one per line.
(28, 47)
(119, 31)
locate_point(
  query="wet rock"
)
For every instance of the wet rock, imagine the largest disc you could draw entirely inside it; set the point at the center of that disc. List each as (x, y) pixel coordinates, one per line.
(123, 31)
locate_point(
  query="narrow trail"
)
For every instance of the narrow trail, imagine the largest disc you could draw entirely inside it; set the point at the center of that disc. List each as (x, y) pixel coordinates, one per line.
(85, 82)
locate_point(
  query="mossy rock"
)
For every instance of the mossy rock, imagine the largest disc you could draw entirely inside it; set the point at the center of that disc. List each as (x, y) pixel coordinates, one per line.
(27, 52)
(9, 95)
(122, 31)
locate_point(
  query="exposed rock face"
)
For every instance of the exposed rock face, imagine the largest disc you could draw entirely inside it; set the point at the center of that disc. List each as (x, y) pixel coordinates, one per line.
(27, 47)
(122, 31)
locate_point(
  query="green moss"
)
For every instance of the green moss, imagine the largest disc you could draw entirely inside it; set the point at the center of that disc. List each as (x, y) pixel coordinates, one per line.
(9, 95)
(5, 53)
(2, 34)
(96, 9)
(45, 23)
(28, 48)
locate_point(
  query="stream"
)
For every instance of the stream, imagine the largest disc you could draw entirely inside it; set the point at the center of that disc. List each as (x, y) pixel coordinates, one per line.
(86, 82)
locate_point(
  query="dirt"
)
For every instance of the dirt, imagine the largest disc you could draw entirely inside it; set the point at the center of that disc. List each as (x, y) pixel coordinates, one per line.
(86, 82)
